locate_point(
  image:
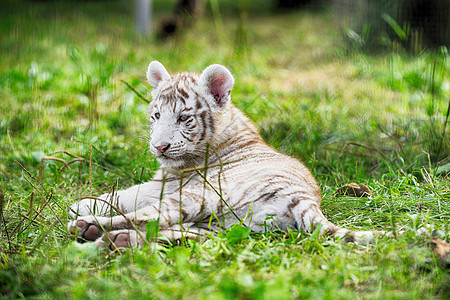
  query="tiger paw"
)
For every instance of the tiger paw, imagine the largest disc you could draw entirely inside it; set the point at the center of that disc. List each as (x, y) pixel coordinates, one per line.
(120, 240)
(86, 229)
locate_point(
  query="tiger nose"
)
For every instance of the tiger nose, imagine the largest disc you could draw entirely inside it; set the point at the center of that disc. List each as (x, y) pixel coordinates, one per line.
(163, 148)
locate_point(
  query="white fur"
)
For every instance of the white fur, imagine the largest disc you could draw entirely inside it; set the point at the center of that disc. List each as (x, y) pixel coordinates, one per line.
(217, 78)
(156, 73)
(261, 186)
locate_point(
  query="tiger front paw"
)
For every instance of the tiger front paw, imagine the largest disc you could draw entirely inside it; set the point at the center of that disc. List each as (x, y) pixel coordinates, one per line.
(85, 228)
(120, 240)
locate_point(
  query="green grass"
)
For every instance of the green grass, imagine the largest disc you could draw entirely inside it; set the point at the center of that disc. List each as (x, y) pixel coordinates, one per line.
(348, 116)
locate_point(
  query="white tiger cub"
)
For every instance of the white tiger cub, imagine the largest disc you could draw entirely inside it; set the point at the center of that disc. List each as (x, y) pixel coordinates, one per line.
(194, 124)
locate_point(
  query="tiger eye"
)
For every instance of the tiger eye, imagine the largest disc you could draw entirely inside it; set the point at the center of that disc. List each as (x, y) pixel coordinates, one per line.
(157, 115)
(183, 118)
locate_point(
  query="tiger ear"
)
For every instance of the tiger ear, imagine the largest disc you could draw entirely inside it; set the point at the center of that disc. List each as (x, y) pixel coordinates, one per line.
(219, 82)
(156, 73)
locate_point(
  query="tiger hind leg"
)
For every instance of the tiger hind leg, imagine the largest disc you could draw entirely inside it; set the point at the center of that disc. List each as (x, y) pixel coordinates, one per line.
(308, 216)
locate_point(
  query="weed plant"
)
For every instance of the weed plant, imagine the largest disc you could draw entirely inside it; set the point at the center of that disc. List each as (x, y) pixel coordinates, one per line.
(73, 123)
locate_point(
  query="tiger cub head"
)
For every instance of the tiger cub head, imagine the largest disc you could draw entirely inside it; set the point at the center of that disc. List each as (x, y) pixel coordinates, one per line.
(185, 113)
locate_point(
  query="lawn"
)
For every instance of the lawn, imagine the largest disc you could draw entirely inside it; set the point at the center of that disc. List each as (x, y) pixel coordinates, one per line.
(73, 123)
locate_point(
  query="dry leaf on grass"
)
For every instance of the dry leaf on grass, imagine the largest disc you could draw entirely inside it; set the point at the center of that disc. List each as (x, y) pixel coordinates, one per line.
(442, 251)
(354, 190)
